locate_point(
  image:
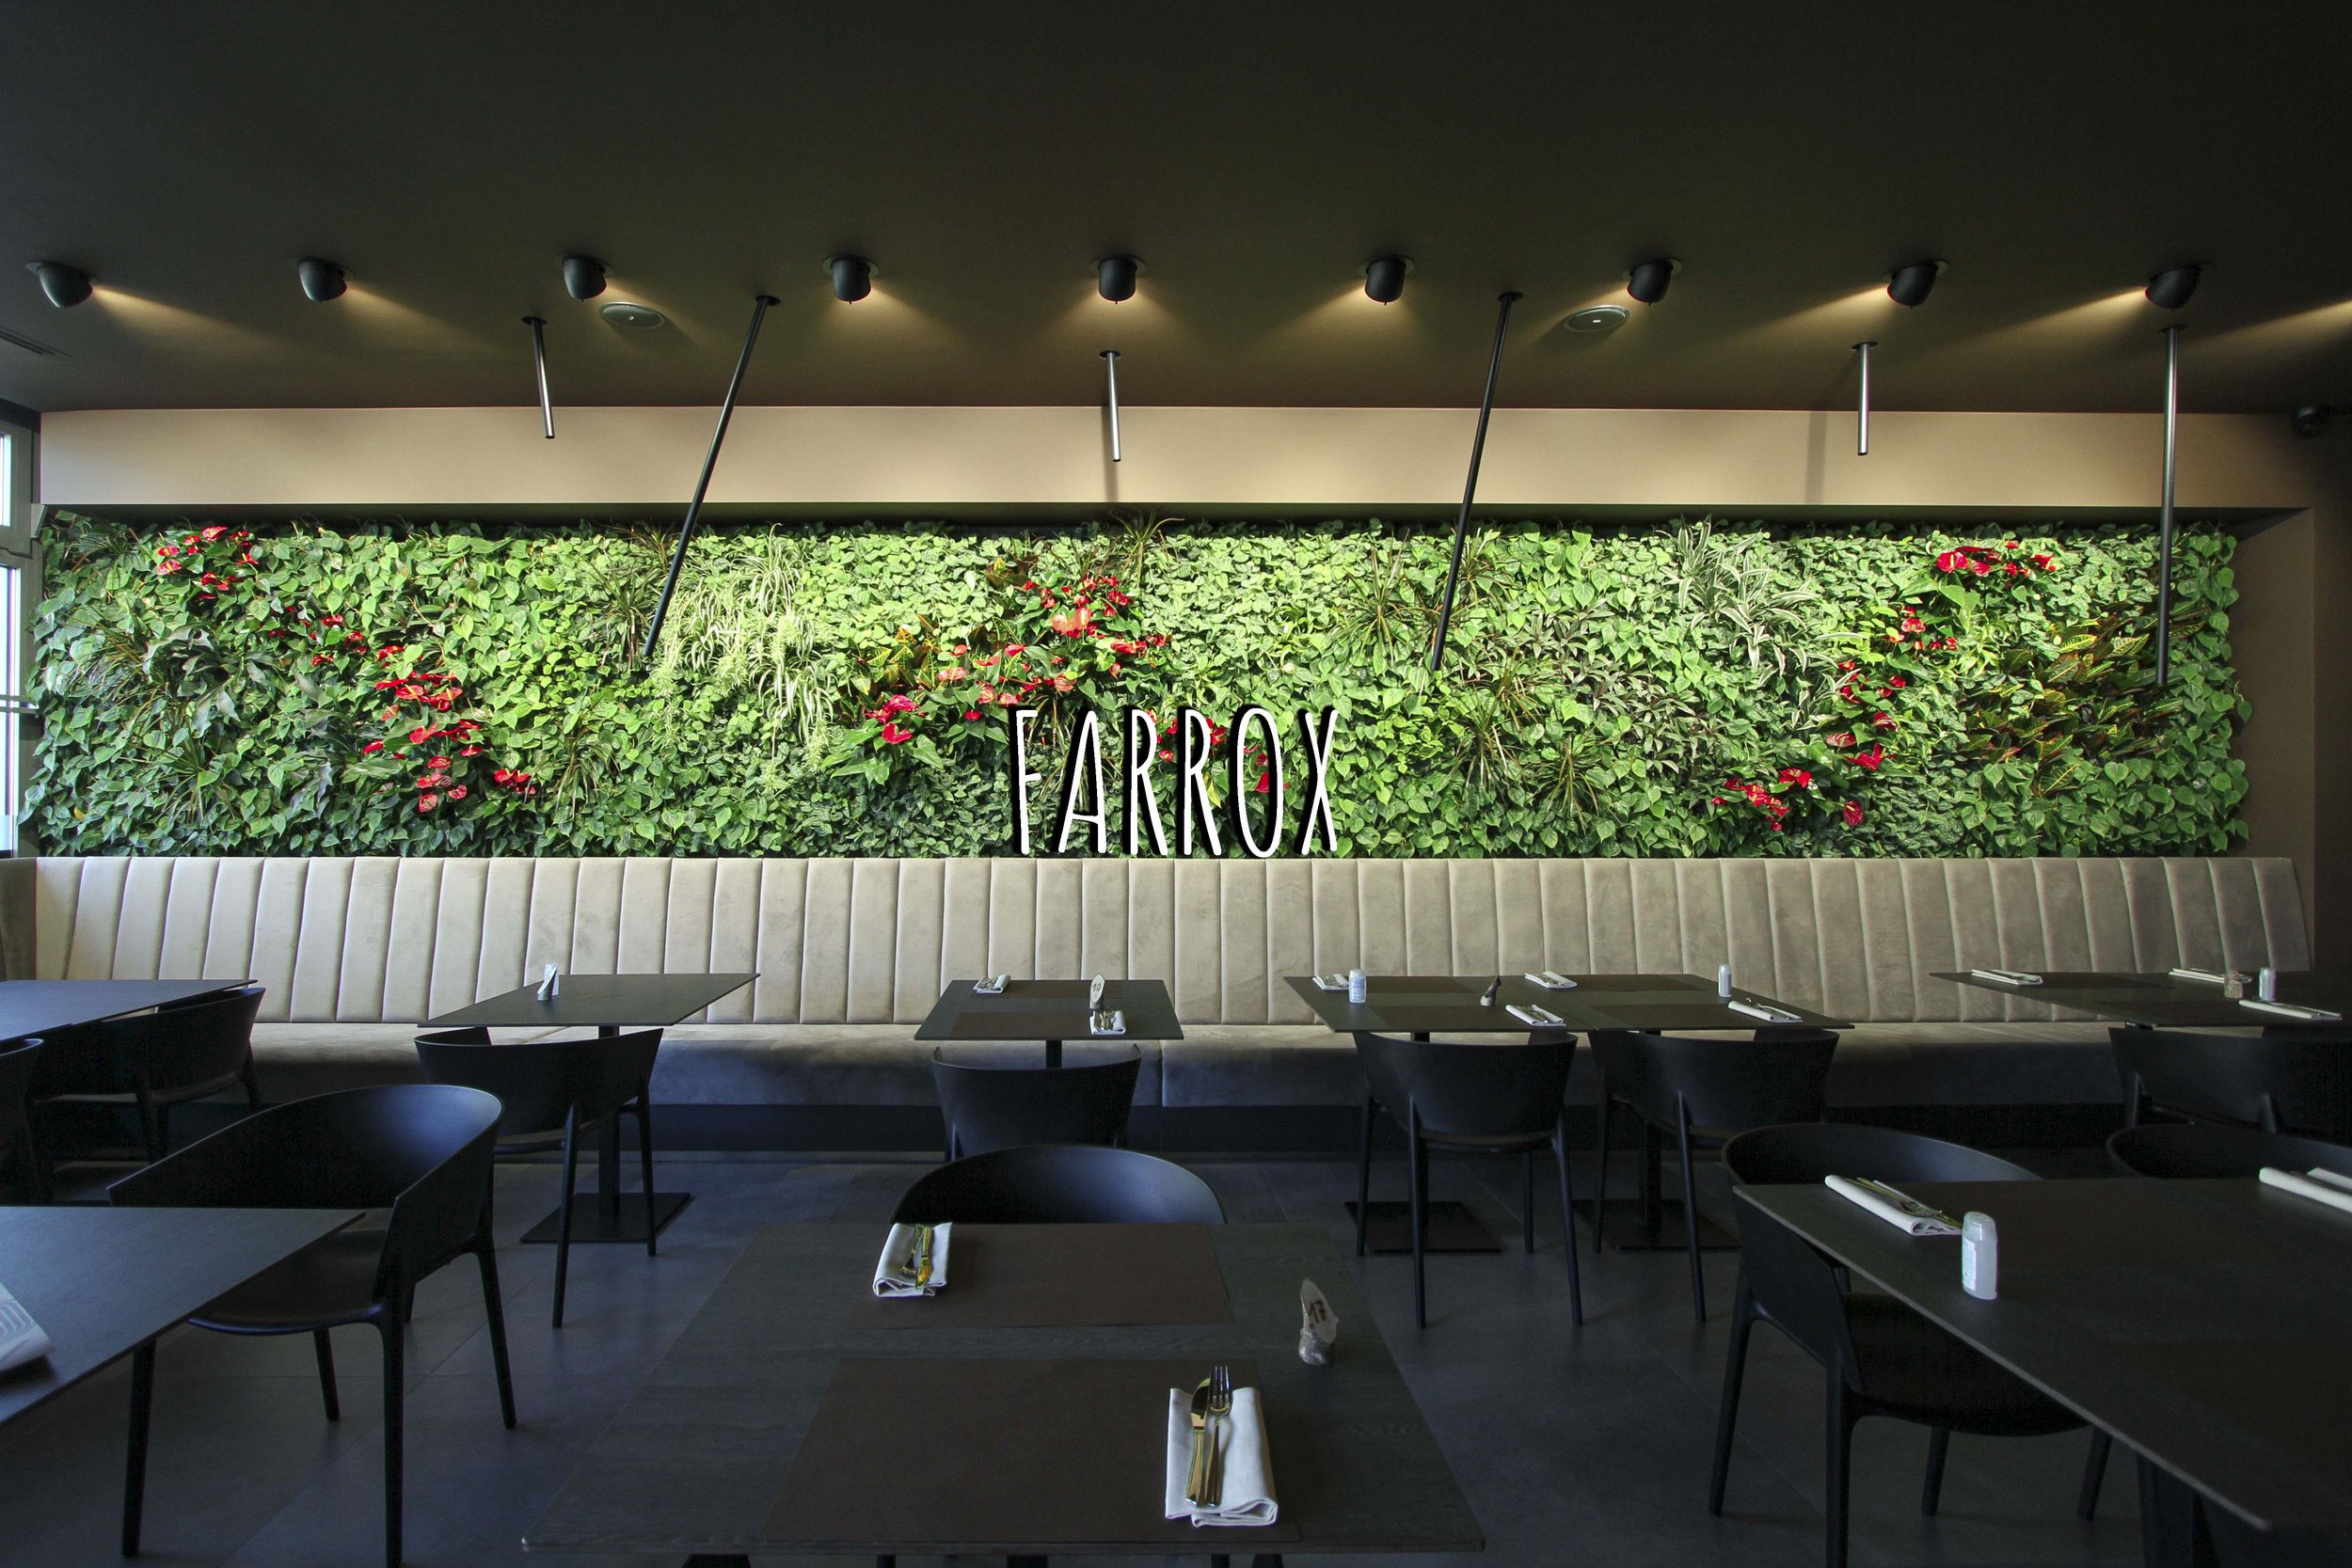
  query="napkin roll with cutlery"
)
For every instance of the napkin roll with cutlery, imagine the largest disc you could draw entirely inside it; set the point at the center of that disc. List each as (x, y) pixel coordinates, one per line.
(1535, 1016)
(1896, 1209)
(1550, 979)
(2007, 976)
(1245, 1494)
(914, 1261)
(1759, 1009)
(2202, 976)
(2289, 1010)
(2320, 1186)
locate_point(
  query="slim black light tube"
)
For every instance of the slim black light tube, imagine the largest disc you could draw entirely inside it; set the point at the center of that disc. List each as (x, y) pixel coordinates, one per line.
(1110, 367)
(2164, 517)
(538, 326)
(701, 486)
(1469, 489)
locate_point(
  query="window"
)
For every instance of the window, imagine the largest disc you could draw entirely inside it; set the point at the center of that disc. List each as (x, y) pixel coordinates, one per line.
(16, 573)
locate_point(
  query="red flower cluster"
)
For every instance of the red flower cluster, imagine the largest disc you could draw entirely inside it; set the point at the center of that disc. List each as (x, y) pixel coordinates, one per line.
(2007, 562)
(1761, 798)
(203, 558)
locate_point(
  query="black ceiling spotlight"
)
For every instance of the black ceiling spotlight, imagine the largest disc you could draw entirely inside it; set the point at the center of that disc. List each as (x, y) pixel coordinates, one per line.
(2310, 420)
(321, 280)
(65, 286)
(852, 276)
(1909, 284)
(2169, 289)
(584, 276)
(1647, 281)
(1115, 277)
(1384, 278)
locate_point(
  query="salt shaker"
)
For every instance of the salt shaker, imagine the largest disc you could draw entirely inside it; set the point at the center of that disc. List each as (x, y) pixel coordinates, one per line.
(2266, 985)
(1358, 989)
(1979, 1256)
(1723, 979)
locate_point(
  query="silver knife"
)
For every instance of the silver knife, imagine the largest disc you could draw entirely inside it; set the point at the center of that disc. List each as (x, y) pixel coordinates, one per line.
(923, 1255)
(1904, 1202)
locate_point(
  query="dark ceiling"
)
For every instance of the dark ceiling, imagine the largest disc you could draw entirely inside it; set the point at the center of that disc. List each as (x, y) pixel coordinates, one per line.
(1254, 156)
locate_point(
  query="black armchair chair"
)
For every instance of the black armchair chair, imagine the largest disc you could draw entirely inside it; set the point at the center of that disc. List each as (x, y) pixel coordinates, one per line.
(422, 1151)
(988, 1108)
(2194, 1151)
(154, 1061)
(1060, 1184)
(1879, 1357)
(1703, 1092)
(552, 1092)
(1503, 1099)
(18, 1063)
(2283, 1082)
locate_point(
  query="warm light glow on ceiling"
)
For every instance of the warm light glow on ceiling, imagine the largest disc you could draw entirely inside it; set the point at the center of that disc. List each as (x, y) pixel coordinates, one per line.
(1840, 322)
(2321, 328)
(149, 316)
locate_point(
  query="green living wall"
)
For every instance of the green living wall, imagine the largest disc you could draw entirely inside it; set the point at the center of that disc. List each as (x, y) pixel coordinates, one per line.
(1680, 687)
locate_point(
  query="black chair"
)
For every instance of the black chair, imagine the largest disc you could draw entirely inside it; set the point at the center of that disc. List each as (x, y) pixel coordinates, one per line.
(1487, 1098)
(2196, 1150)
(551, 1093)
(1880, 1357)
(2287, 1082)
(1703, 1092)
(18, 1063)
(1059, 1184)
(156, 1060)
(423, 1152)
(988, 1108)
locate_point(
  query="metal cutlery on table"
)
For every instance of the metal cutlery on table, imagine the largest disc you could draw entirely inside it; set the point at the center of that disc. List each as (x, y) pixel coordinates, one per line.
(1904, 1202)
(1210, 1462)
(1196, 1475)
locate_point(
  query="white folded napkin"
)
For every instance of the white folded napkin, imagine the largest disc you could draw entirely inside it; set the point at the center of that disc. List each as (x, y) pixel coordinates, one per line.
(993, 985)
(2303, 1186)
(1116, 1024)
(1330, 981)
(2007, 976)
(1536, 1018)
(1924, 1221)
(2288, 1009)
(1756, 1009)
(894, 1275)
(2202, 976)
(1245, 1485)
(1551, 980)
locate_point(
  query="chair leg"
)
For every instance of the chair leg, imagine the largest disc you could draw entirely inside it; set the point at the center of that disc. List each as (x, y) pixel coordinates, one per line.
(134, 1466)
(564, 1212)
(1840, 1457)
(2132, 1093)
(1600, 1180)
(644, 1158)
(1650, 1177)
(1735, 1373)
(2094, 1474)
(1417, 1164)
(1691, 1214)
(151, 1124)
(1527, 1203)
(1567, 1219)
(1931, 1489)
(326, 1348)
(395, 1413)
(494, 1311)
(1363, 1172)
(252, 1085)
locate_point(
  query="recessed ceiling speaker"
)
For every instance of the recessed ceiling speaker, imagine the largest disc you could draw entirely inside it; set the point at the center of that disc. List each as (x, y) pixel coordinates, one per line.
(321, 280)
(1384, 278)
(2310, 420)
(852, 276)
(1598, 318)
(1910, 285)
(621, 312)
(65, 286)
(1647, 281)
(1115, 277)
(584, 276)
(2169, 289)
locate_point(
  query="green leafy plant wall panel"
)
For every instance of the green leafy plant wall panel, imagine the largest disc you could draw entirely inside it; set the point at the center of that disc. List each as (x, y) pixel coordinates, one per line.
(1690, 687)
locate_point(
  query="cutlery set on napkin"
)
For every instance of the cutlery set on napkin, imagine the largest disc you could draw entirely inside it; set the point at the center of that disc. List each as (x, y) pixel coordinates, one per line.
(1217, 1455)
(1904, 1213)
(1764, 1010)
(914, 1261)
(2290, 1009)
(2007, 976)
(1535, 1016)
(2320, 1186)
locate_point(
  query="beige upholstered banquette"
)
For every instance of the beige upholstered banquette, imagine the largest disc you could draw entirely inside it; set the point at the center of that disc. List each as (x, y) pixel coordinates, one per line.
(851, 952)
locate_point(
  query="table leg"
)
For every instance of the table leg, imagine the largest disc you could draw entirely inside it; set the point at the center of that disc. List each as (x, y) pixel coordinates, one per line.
(1053, 1052)
(608, 1219)
(2171, 1535)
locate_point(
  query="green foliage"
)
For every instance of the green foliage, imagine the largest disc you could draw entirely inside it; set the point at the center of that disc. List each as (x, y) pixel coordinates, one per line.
(1601, 685)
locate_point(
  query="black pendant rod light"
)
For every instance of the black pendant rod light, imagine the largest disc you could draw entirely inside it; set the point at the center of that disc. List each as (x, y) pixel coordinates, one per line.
(701, 486)
(538, 326)
(2164, 517)
(1470, 488)
(1862, 421)
(1110, 369)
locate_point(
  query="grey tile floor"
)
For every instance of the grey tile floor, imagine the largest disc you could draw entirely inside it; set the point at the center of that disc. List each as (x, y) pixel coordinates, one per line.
(1574, 1447)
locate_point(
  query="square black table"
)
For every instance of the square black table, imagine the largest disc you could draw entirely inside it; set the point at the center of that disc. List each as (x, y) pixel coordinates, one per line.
(2169, 1002)
(694, 1465)
(1048, 1010)
(1425, 1005)
(31, 1007)
(607, 1003)
(101, 1282)
(2207, 1326)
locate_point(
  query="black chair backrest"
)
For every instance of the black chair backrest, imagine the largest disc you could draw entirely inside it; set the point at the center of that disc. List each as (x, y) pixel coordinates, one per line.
(1725, 1084)
(1506, 1089)
(422, 1150)
(1808, 1151)
(207, 1040)
(2298, 1082)
(2194, 1151)
(1796, 1288)
(1060, 1184)
(1003, 1107)
(539, 1082)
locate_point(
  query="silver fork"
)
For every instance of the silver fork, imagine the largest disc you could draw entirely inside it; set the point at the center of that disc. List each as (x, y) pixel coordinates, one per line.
(1220, 1404)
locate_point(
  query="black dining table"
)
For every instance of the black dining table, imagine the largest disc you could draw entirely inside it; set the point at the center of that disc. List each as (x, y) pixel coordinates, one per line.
(607, 1003)
(2206, 1325)
(1449, 1004)
(2165, 1000)
(101, 1282)
(1024, 1416)
(1049, 1011)
(33, 1008)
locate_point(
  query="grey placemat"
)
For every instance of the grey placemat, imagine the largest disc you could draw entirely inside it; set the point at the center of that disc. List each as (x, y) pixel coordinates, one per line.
(1065, 1276)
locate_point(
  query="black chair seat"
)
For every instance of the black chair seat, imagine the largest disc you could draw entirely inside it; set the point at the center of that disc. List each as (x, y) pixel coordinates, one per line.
(1914, 1370)
(331, 1279)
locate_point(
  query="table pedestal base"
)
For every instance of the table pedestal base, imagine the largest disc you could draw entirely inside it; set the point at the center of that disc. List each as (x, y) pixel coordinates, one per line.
(597, 1219)
(1448, 1226)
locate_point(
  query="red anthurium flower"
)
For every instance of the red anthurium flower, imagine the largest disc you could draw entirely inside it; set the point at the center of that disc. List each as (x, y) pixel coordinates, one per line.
(459, 793)
(1882, 720)
(501, 775)
(1801, 777)
(419, 734)
(971, 714)
(1852, 811)
(1005, 699)
(371, 747)
(1261, 786)
(426, 802)
(469, 752)
(436, 762)
(1843, 738)
(167, 551)
(893, 734)
(2042, 563)
(1869, 761)
(167, 567)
